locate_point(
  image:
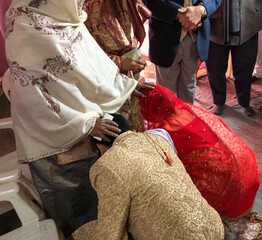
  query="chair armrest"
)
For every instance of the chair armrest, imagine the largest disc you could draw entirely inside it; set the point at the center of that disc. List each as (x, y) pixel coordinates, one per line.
(26, 210)
(6, 123)
(10, 176)
(17, 177)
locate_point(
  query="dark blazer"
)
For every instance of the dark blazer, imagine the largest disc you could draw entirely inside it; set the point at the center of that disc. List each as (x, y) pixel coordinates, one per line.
(165, 30)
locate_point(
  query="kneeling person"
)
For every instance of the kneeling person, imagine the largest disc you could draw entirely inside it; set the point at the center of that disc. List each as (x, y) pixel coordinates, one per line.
(144, 189)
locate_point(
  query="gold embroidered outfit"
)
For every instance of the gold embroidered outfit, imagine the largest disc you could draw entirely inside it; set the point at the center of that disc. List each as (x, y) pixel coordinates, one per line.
(139, 192)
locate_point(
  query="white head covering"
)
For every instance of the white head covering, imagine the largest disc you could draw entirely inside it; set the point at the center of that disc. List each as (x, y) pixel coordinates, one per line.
(61, 80)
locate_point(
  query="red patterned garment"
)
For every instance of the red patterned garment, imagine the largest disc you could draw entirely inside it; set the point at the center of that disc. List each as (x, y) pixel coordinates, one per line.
(221, 165)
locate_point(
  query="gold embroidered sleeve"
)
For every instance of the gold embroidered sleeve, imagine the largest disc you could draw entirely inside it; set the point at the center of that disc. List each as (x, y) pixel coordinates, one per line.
(113, 203)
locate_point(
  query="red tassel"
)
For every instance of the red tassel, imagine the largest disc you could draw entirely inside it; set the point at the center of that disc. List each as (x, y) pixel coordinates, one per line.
(168, 159)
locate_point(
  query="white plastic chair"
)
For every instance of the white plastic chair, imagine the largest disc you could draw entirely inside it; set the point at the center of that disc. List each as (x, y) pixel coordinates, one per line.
(9, 161)
(17, 190)
(18, 193)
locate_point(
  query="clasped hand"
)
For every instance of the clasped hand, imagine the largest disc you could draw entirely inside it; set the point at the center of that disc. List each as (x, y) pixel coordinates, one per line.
(190, 17)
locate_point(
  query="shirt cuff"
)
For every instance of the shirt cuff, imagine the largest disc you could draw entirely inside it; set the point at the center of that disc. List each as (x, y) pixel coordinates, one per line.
(205, 13)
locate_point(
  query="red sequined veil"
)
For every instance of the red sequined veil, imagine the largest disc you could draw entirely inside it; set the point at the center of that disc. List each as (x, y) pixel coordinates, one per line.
(221, 165)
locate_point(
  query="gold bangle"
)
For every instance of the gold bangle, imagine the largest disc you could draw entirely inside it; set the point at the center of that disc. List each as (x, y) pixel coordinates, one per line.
(120, 62)
(117, 61)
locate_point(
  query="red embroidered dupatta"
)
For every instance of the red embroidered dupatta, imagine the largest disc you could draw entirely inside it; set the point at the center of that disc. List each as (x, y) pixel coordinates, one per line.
(221, 165)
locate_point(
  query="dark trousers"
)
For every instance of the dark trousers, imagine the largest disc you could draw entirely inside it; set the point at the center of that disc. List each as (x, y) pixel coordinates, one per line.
(66, 191)
(243, 63)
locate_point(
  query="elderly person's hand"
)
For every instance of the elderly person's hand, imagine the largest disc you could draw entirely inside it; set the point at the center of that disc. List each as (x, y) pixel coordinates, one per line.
(105, 127)
(141, 85)
(131, 64)
(190, 17)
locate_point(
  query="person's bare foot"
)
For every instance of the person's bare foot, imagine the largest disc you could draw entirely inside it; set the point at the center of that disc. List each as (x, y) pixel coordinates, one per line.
(249, 111)
(217, 110)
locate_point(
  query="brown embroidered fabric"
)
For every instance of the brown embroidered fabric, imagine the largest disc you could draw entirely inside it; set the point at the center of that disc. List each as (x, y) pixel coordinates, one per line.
(117, 25)
(82, 149)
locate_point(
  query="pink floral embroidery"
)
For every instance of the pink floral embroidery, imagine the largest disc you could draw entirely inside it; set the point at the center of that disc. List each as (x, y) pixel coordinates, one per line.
(38, 19)
(54, 66)
(10, 20)
(58, 63)
(20, 74)
(53, 105)
(42, 24)
(13, 13)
